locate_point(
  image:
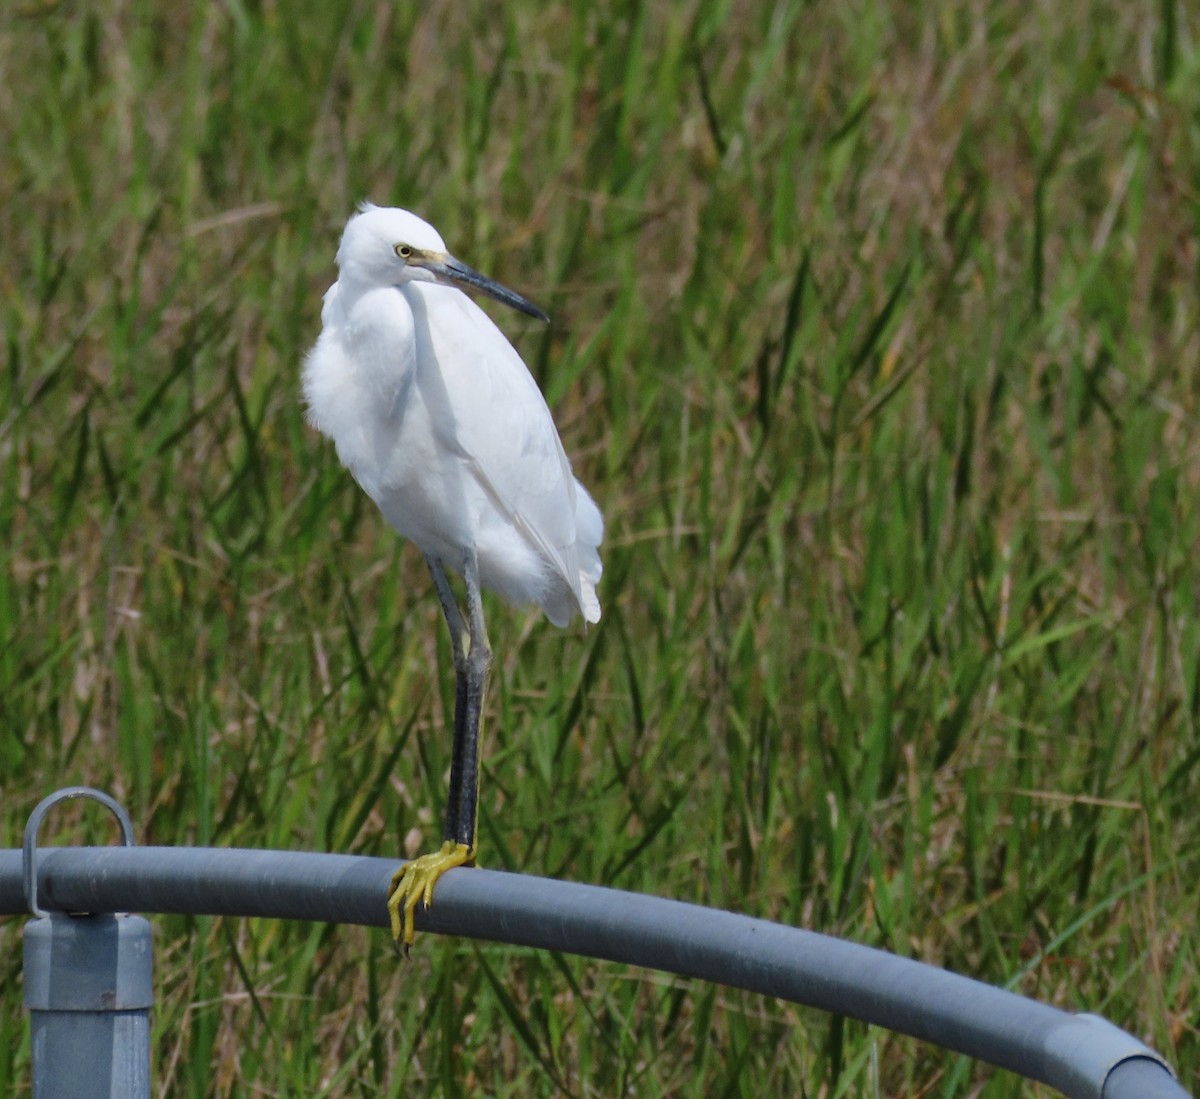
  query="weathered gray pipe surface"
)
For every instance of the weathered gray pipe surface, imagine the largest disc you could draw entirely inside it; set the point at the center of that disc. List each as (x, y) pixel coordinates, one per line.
(1080, 1055)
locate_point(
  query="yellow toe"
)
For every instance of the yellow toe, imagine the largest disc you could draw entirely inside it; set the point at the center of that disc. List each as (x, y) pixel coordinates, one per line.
(414, 882)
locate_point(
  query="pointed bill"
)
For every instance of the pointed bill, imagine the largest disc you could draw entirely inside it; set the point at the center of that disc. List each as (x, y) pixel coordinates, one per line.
(449, 269)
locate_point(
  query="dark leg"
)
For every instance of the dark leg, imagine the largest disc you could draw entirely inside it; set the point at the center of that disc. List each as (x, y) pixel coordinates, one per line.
(478, 660)
(459, 643)
(413, 883)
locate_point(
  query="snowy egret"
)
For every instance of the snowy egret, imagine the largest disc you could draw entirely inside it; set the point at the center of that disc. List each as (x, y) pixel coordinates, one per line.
(438, 419)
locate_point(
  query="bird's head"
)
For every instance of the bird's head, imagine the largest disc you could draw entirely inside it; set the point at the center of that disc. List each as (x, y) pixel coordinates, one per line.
(387, 246)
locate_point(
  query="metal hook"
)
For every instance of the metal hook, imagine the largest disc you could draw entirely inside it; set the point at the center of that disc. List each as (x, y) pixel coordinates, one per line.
(29, 847)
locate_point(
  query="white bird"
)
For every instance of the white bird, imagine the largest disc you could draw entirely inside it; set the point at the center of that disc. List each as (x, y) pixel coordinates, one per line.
(438, 419)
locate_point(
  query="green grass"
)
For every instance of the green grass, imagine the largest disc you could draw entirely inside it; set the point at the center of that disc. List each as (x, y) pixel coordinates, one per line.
(877, 338)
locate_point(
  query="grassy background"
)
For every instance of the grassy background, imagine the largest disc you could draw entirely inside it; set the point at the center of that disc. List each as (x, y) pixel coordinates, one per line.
(877, 339)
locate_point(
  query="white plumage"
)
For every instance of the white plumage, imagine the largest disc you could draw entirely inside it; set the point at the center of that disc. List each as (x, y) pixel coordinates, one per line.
(438, 419)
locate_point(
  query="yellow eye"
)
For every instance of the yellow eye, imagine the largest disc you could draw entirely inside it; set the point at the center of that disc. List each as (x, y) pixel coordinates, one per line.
(404, 251)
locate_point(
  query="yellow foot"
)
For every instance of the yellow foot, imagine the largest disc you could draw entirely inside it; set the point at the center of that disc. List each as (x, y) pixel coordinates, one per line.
(414, 882)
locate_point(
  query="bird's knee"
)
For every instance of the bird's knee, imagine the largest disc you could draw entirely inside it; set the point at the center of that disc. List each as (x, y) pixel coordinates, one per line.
(479, 656)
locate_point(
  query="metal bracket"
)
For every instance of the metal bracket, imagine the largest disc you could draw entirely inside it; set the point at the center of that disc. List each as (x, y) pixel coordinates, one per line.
(29, 847)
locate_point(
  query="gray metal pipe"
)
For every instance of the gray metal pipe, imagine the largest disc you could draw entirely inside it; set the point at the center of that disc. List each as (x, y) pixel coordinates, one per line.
(1141, 1079)
(1077, 1054)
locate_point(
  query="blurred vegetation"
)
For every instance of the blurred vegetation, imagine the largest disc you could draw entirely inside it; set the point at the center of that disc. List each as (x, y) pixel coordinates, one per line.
(876, 336)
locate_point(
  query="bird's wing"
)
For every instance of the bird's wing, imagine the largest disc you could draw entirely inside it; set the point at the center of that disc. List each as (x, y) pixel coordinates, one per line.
(499, 423)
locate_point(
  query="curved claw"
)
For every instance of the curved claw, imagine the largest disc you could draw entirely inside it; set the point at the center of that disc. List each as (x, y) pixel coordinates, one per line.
(414, 882)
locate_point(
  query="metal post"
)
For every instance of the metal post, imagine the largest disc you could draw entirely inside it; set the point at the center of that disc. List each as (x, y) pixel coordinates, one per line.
(89, 989)
(89, 986)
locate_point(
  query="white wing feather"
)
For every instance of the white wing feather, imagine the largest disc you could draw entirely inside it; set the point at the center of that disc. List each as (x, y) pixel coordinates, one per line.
(499, 423)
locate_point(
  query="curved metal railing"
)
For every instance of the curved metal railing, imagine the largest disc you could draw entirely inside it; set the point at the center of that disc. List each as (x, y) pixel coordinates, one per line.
(1080, 1055)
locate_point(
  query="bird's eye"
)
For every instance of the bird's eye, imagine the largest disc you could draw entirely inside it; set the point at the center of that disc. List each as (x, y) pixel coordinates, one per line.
(404, 251)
